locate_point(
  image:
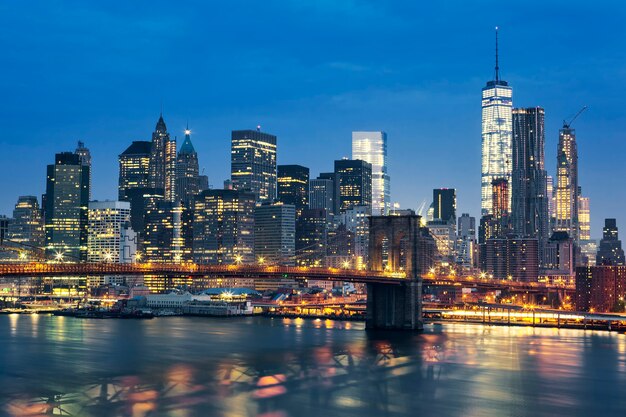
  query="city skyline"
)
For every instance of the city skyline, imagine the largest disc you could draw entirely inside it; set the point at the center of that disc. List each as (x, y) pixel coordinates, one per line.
(107, 130)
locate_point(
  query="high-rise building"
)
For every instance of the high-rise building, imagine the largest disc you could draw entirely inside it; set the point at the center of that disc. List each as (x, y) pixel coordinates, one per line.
(610, 251)
(165, 232)
(355, 183)
(512, 258)
(134, 168)
(109, 232)
(551, 202)
(311, 237)
(332, 176)
(466, 240)
(293, 186)
(223, 227)
(584, 219)
(5, 223)
(321, 193)
(27, 225)
(275, 234)
(187, 172)
(253, 163)
(601, 288)
(371, 147)
(356, 220)
(444, 204)
(67, 197)
(497, 133)
(567, 184)
(529, 211)
(85, 159)
(559, 254)
(162, 167)
(444, 234)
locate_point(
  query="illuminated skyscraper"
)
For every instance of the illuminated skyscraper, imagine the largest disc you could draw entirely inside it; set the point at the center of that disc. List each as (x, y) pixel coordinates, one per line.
(67, 197)
(27, 225)
(108, 224)
(371, 147)
(275, 233)
(187, 172)
(85, 159)
(496, 135)
(529, 211)
(444, 204)
(134, 168)
(163, 161)
(293, 186)
(584, 219)
(321, 194)
(567, 184)
(164, 238)
(253, 163)
(355, 183)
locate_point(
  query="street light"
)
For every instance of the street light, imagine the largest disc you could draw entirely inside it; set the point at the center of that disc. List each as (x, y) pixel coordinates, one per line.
(261, 260)
(238, 259)
(59, 256)
(346, 264)
(23, 256)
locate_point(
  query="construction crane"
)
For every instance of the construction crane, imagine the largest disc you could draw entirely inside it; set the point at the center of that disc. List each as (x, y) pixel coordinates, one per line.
(567, 124)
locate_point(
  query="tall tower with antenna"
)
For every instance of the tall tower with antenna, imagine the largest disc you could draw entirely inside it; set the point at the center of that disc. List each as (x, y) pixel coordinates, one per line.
(497, 134)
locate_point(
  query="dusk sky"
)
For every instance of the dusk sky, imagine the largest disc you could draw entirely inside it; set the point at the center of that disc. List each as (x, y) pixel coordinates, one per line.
(310, 72)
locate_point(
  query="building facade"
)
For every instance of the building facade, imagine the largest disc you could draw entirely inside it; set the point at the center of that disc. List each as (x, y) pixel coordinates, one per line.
(610, 251)
(275, 234)
(566, 193)
(444, 204)
(311, 237)
(187, 172)
(109, 232)
(355, 183)
(253, 163)
(134, 165)
(293, 186)
(27, 226)
(371, 147)
(162, 167)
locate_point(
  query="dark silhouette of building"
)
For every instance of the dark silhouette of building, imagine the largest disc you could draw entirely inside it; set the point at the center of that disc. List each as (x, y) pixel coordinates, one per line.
(134, 168)
(311, 237)
(610, 251)
(355, 183)
(293, 186)
(444, 204)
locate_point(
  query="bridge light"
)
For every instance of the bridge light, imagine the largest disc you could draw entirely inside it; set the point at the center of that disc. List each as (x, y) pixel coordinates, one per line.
(108, 257)
(23, 256)
(59, 256)
(261, 260)
(346, 264)
(432, 271)
(238, 259)
(483, 275)
(138, 256)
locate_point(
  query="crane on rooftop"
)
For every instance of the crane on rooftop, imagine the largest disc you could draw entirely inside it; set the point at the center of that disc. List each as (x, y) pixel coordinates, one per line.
(566, 124)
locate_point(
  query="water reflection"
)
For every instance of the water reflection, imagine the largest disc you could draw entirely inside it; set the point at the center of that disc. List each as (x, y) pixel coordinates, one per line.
(293, 367)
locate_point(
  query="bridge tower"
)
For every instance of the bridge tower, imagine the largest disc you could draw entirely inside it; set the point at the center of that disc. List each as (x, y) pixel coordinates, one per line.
(397, 244)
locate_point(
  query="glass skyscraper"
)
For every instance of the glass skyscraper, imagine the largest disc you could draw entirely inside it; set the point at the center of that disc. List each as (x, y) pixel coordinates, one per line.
(134, 168)
(497, 134)
(567, 184)
(371, 147)
(253, 163)
(187, 172)
(163, 161)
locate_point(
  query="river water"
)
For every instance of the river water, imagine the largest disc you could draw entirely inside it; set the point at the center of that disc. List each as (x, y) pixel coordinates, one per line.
(179, 366)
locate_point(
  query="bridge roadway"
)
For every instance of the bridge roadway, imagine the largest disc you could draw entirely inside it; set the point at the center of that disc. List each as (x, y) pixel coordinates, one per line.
(36, 269)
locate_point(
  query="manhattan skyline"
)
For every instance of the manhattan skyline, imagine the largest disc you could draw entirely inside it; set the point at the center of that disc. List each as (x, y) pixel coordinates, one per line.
(418, 78)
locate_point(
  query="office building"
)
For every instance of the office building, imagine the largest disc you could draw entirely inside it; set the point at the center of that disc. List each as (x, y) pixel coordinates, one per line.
(610, 251)
(356, 220)
(444, 234)
(584, 219)
(444, 204)
(293, 186)
(497, 133)
(275, 234)
(187, 172)
(165, 232)
(134, 171)
(66, 201)
(162, 168)
(85, 159)
(371, 147)
(253, 163)
(27, 228)
(512, 258)
(466, 240)
(311, 237)
(355, 183)
(566, 216)
(321, 192)
(223, 227)
(109, 232)
(559, 255)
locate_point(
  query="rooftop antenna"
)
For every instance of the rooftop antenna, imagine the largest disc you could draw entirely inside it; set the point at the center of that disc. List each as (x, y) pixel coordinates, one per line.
(497, 67)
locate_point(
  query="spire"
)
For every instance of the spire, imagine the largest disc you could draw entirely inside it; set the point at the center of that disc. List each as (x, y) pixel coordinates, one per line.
(187, 147)
(160, 126)
(497, 67)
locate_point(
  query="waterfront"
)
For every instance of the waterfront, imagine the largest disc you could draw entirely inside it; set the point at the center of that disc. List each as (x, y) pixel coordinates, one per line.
(181, 366)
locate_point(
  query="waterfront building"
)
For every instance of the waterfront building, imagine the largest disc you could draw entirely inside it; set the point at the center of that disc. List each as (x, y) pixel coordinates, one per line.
(444, 204)
(85, 159)
(110, 238)
(164, 238)
(355, 183)
(134, 171)
(27, 226)
(162, 167)
(187, 172)
(600, 288)
(253, 163)
(566, 218)
(66, 200)
(529, 211)
(512, 258)
(371, 147)
(311, 237)
(356, 220)
(293, 186)
(223, 227)
(497, 133)
(275, 234)
(610, 251)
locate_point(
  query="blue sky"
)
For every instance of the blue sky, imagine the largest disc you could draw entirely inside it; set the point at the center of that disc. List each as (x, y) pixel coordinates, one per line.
(309, 72)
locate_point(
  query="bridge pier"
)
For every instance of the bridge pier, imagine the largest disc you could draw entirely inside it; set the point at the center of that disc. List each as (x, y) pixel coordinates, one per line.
(396, 307)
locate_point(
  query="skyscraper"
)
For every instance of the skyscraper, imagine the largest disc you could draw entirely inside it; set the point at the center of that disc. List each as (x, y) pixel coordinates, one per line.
(253, 163)
(311, 237)
(223, 227)
(164, 238)
(67, 197)
(106, 231)
(567, 183)
(444, 204)
(293, 186)
(584, 219)
(529, 211)
(355, 183)
(496, 135)
(134, 168)
(27, 225)
(187, 172)
(275, 233)
(321, 194)
(610, 251)
(85, 159)
(332, 176)
(162, 168)
(371, 147)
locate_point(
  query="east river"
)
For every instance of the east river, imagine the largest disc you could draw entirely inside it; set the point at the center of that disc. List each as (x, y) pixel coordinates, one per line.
(179, 366)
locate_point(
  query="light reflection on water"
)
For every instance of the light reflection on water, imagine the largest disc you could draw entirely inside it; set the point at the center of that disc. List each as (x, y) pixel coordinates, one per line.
(292, 367)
